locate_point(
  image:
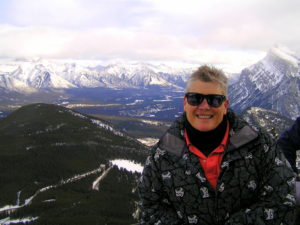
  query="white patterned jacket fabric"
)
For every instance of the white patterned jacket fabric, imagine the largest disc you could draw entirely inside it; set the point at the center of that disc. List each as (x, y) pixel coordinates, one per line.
(256, 185)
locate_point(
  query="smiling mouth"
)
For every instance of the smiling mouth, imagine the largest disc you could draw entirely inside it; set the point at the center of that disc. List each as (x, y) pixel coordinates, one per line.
(204, 116)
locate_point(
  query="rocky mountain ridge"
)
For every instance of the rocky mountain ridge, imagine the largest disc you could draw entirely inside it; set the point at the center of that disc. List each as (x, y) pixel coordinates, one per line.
(272, 83)
(31, 76)
(270, 121)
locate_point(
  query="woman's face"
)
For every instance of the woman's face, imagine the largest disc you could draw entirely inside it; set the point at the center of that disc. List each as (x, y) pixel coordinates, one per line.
(205, 117)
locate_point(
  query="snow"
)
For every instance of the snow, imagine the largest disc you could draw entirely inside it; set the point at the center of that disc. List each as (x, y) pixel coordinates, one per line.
(13, 84)
(50, 200)
(107, 127)
(147, 111)
(136, 102)
(58, 82)
(167, 99)
(8, 207)
(148, 141)
(96, 183)
(73, 74)
(51, 128)
(70, 106)
(163, 100)
(156, 81)
(78, 114)
(285, 54)
(18, 198)
(99, 123)
(7, 220)
(120, 163)
(28, 201)
(7, 68)
(151, 122)
(271, 75)
(127, 165)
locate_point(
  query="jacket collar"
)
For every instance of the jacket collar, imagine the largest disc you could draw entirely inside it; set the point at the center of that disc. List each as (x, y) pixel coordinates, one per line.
(241, 133)
(241, 137)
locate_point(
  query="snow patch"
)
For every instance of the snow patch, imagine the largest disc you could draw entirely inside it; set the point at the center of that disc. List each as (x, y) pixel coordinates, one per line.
(128, 165)
(7, 220)
(135, 102)
(29, 148)
(167, 99)
(107, 127)
(156, 123)
(77, 114)
(96, 183)
(163, 100)
(11, 208)
(148, 141)
(285, 54)
(50, 200)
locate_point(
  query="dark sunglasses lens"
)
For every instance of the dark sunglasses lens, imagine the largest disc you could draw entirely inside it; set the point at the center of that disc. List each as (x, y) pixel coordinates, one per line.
(194, 99)
(215, 100)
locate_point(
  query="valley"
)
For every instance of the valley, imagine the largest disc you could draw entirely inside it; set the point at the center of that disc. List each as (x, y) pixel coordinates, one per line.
(74, 138)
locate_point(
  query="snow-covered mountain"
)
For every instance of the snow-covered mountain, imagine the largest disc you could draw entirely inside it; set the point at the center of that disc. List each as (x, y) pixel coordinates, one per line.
(272, 83)
(33, 75)
(9, 83)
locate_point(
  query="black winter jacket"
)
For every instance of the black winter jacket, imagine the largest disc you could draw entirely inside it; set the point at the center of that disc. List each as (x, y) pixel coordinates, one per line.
(255, 186)
(289, 142)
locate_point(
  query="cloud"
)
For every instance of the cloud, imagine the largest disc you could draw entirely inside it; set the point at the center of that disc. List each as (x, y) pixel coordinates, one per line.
(232, 23)
(216, 31)
(76, 14)
(31, 41)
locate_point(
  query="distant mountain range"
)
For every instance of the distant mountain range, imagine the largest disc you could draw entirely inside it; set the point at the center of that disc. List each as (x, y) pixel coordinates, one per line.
(58, 166)
(36, 75)
(272, 83)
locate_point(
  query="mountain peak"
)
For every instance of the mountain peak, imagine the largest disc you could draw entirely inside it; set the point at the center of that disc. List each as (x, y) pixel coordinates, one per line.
(284, 53)
(271, 83)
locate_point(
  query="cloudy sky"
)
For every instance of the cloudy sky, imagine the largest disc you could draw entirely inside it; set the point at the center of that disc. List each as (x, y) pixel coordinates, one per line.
(231, 33)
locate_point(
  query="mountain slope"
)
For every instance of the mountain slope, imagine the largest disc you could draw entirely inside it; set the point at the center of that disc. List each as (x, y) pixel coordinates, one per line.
(272, 122)
(272, 83)
(51, 159)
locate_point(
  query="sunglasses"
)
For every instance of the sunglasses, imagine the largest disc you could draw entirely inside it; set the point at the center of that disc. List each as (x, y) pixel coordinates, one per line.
(196, 99)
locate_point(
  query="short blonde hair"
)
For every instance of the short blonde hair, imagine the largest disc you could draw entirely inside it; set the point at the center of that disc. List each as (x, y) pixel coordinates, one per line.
(209, 74)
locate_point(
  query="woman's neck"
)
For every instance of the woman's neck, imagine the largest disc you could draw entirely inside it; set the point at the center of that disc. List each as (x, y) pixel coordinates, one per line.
(207, 141)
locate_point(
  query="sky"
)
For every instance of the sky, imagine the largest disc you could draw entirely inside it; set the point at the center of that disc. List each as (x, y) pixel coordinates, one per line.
(230, 33)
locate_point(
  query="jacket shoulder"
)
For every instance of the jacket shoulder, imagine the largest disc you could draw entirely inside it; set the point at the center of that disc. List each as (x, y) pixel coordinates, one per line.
(173, 140)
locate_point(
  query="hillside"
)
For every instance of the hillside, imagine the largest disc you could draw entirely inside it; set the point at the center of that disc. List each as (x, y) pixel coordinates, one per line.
(51, 161)
(144, 130)
(272, 122)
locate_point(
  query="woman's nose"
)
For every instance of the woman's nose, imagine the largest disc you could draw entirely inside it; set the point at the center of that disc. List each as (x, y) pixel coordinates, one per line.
(204, 104)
